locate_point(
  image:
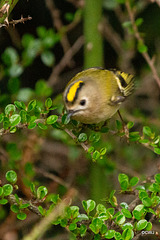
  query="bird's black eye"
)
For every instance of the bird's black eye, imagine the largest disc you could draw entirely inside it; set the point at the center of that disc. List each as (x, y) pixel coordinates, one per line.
(82, 102)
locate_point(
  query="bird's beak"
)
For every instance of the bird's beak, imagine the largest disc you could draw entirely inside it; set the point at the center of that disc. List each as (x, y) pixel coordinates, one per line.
(69, 114)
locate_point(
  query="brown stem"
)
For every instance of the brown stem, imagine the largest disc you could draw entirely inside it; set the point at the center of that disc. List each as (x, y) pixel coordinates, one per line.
(140, 39)
(63, 63)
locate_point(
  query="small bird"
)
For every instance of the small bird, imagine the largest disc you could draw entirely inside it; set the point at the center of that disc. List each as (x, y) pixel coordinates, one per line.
(95, 94)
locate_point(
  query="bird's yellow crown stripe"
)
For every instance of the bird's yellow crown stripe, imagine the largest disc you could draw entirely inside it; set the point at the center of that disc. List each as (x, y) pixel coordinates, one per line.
(72, 91)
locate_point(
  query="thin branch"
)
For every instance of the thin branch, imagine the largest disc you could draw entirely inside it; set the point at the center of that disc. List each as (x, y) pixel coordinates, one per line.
(112, 36)
(21, 20)
(55, 14)
(83, 145)
(63, 63)
(140, 39)
(11, 198)
(52, 177)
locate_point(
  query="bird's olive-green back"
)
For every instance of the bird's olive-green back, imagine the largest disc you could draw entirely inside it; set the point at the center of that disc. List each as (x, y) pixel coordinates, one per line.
(111, 83)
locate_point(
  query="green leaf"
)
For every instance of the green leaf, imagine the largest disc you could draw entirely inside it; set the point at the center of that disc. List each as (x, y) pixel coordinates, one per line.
(6, 123)
(110, 234)
(25, 205)
(94, 137)
(139, 211)
(52, 119)
(15, 119)
(10, 56)
(124, 181)
(96, 225)
(157, 178)
(149, 226)
(12, 129)
(91, 149)
(1, 117)
(104, 216)
(130, 125)
(82, 137)
(126, 213)
(104, 130)
(31, 106)
(140, 187)
(157, 150)
(1, 191)
(119, 125)
(155, 201)
(88, 205)
(142, 48)
(15, 208)
(110, 211)
(27, 39)
(7, 189)
(33, 188)
(11, 176)
(113, 199)
(146, 201)
(82, 230)
(65, 119)
(32, 125)
(124, 205)
(21, 216)
(134, 181)
(3, 201)
(74, 211)
(143, 141)
(53, 198)
(134, 136)
(15, 70)
(96, 155)
(117, 236)
(155, 187)
(127, 24)
(20, 105)
(101, 208)
(127, 226)
(103, 151)
(82, 217)
(50, 39)
(42, 126)
(147, 131)
(25, 94)
(142, 224)
(122, 177)
(142, 194)
(72, 226)
(41, 210)
(23, 115)
(41, 31)
(48, 58)
(17, 198)
(10, 108)
(128, 234)
(120, 219)
(42, 89)
(42, 192)
(48, 103)
(64, 223)
(139, 21)
(103, 229)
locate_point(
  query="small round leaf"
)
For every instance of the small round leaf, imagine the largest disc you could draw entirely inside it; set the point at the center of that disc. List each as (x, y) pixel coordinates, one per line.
(11, 176)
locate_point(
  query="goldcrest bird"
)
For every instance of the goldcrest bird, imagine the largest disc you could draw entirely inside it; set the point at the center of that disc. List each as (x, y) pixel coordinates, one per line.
(94, 95)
